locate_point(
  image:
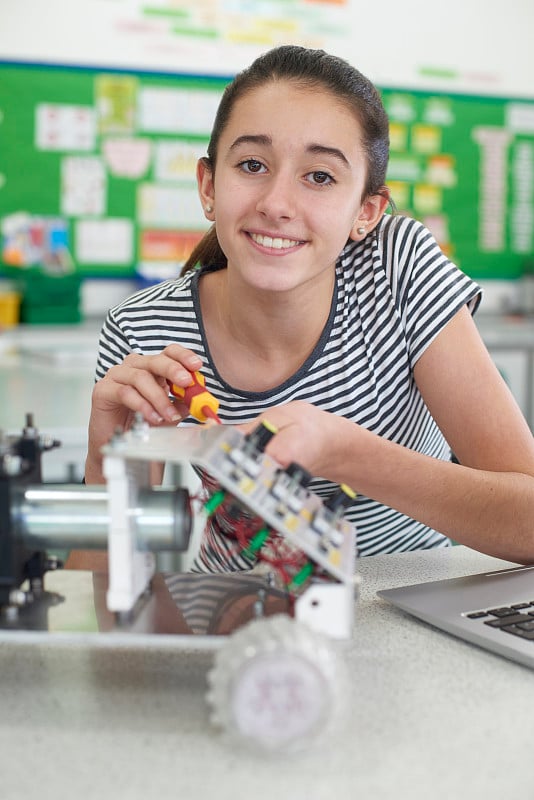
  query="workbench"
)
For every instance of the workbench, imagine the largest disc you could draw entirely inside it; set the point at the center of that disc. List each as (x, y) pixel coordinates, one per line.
(428, 716)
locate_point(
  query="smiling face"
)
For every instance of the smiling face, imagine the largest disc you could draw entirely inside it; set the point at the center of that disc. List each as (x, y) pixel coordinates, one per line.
(288, 185)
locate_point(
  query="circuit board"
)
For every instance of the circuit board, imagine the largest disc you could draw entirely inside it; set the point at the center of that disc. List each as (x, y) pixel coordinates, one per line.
(258, 482)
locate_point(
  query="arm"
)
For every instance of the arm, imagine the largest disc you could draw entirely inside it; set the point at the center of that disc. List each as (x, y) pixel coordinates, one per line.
(487, 502)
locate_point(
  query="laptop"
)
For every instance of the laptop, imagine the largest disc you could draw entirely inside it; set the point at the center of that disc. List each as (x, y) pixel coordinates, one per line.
(494, 610)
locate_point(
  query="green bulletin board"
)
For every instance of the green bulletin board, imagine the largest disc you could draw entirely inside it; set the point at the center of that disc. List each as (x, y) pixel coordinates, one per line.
(101, 164)
(465, 166)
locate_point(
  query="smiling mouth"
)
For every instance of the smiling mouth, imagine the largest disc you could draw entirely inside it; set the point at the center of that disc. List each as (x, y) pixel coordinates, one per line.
(275, 243)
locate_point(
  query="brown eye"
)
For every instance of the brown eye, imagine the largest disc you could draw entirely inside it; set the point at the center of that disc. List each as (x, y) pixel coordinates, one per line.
(252, 165)
(320, 178)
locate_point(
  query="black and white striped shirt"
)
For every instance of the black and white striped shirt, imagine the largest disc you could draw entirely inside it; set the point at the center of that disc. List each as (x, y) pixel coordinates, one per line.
(395, 291)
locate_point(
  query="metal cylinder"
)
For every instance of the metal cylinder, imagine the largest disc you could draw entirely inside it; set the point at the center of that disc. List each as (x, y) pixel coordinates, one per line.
(76, 517)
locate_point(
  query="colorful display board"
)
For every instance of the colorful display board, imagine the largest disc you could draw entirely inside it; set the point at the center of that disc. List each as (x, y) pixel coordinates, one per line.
(98, 167)
(97, 170)
(465, 166)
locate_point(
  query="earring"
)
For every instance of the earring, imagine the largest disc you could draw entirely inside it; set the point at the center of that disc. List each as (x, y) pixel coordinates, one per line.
(360, 231)
(208, 209)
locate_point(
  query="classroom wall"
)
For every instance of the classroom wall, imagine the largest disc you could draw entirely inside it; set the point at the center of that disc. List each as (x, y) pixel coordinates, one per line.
(476, 142)
(460, 45)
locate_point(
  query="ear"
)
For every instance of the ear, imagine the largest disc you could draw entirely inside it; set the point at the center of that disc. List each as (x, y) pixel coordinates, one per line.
(370, 213)
(206, 189)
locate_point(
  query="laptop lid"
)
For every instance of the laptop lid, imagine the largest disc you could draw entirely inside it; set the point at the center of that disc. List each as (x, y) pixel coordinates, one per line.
(460, 606)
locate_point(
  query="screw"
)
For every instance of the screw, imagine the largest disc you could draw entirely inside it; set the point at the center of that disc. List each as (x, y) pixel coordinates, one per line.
(52, 563)
(17, 598)
(11, 464)
(140, 427)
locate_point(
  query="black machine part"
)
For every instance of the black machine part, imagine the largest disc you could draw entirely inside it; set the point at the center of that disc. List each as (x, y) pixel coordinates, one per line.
(37, 517)
(20, 464)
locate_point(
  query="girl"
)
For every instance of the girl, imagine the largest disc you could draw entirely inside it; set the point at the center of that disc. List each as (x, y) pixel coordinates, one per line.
(345, 327)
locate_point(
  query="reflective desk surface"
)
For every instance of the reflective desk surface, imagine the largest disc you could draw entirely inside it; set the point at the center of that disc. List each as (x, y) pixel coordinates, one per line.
(429, 716)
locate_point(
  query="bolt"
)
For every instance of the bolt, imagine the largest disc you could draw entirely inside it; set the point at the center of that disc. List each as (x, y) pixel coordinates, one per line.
(11, 464)
(52, 563)
(30, 431)
(117, 439)
(11, 613)
(140, 427)
(259, 604)
(47, 442)
(17, 598)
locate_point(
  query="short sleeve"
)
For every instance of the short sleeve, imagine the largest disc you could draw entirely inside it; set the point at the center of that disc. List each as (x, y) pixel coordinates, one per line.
(113, 346)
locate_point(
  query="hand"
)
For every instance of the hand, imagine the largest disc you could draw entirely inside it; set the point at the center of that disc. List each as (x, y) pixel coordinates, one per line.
(139, 384)
(305, 434)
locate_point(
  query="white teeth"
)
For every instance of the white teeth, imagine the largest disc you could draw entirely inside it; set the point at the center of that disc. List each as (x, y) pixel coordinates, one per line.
(275, 244)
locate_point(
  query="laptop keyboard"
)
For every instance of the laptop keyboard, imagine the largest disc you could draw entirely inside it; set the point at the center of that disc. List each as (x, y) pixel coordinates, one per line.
(517, 619)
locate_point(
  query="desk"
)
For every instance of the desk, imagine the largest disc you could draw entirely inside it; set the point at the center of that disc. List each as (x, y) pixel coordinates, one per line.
(431, 717)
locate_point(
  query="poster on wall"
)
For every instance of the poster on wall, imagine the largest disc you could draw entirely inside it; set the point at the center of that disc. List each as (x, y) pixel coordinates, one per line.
(228, 32)
(107, 159)
(188, 36)
(464, 166)
(103, 163)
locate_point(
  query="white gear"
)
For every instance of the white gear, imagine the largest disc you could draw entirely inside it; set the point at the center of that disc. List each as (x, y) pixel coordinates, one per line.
(276, 685)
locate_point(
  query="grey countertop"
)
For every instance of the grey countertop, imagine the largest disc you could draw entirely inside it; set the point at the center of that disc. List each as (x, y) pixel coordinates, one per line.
(429, 716)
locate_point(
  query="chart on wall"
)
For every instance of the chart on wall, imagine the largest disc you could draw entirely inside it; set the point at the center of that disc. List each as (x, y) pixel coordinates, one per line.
(198, 36)
(229, 32)
(465, 167)
(97, 168)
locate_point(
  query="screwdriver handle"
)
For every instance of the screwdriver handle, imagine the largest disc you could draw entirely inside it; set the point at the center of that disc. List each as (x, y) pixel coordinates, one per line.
(201, 403)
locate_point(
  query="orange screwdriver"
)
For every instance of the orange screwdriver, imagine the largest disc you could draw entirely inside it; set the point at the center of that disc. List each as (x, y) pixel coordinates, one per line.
(201, 403)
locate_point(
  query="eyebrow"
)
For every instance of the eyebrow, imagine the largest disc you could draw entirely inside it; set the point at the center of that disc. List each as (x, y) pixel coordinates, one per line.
(250, 138)
(316, 149)
(321, 149)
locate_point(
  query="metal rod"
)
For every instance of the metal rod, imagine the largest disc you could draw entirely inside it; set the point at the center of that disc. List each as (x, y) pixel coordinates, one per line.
(76, 517)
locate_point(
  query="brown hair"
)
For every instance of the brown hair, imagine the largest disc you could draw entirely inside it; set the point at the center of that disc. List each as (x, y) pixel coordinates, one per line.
(311, 68)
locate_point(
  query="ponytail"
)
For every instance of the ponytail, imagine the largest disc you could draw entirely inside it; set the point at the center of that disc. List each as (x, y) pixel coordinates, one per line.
(207, 253)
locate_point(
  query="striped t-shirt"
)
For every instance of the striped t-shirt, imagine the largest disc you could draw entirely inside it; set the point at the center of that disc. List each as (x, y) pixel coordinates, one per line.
(394, 292)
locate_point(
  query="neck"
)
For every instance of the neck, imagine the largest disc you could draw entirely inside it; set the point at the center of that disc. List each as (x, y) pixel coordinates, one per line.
(268, 335)
(271, 321)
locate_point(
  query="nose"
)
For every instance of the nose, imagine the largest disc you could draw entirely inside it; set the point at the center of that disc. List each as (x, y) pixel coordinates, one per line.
(277, 199)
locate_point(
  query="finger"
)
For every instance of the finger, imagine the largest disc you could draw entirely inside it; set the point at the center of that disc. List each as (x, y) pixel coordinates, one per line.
(188, 358)
(137, 390)
(166, 365)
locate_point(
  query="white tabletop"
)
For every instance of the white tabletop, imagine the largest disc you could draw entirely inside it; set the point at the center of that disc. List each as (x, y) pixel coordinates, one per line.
(429, 716)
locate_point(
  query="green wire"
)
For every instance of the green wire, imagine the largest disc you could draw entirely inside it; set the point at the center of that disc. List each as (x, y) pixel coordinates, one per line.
(213, 502)
(302, 574)
(256, 543)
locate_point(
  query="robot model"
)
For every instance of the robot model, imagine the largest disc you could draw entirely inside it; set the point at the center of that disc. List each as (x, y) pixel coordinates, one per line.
(277, 679)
